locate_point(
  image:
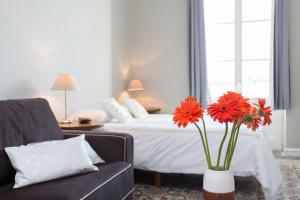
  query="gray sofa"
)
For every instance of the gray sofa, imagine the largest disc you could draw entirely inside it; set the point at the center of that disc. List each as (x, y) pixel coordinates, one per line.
(31, 120)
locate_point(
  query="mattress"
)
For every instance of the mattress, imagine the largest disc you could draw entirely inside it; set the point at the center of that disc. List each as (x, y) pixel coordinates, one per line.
(161, 146)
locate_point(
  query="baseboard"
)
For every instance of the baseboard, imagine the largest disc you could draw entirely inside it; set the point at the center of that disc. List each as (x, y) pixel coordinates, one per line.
(291, 152)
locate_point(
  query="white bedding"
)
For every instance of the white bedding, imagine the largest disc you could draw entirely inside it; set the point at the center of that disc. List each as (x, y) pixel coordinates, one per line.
(161, 146)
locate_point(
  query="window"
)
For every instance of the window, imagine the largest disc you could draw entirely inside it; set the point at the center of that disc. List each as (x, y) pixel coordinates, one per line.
(238, 36)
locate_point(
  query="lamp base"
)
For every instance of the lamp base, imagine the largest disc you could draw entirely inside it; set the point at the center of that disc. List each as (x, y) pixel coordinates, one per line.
(65, 122)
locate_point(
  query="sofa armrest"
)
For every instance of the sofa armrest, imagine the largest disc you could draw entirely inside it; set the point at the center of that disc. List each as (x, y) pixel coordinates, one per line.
(112, 147)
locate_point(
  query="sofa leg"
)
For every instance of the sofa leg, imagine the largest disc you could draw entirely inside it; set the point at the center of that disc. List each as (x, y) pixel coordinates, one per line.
(157, 179)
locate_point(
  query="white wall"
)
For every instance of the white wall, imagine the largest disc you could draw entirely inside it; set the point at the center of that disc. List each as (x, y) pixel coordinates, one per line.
(121, 25)
(40, 39)
(293, 115)
(158, 51)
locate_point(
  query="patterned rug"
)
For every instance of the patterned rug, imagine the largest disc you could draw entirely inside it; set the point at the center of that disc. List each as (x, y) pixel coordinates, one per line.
(246, 188)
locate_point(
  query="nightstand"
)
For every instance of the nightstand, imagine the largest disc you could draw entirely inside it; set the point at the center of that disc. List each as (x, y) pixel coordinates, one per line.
(80, 126)
(153, 110)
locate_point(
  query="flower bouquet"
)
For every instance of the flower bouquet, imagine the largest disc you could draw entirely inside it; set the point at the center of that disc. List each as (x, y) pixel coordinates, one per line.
(231, 108)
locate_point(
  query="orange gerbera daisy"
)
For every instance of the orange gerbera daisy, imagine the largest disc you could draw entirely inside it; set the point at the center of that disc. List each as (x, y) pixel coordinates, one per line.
(253, 120)
(189, 111)
(230, 107)
(222, 112)
(237, 100)
(265, 111)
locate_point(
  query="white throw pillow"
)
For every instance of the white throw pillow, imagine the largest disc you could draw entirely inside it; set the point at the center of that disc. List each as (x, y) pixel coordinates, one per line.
(116, 110)
(93, 114)
(94, 157)
(135, 108)
(49, 160)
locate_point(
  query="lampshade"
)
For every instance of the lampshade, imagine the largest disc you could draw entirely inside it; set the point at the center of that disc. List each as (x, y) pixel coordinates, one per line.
(65, 82)
(135, 85)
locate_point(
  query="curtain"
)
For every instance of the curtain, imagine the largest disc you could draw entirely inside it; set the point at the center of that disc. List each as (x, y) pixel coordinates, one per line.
(197, 54)
(281, 67)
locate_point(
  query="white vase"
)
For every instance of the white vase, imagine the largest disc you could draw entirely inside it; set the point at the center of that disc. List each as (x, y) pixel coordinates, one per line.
(218, 185)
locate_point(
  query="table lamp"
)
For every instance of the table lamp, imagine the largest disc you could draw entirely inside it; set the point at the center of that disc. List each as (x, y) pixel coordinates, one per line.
(65, 82)
(135, 85)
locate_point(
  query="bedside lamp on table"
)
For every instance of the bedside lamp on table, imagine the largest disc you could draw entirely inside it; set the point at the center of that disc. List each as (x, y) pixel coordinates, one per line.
(135, 85)
(65, 82)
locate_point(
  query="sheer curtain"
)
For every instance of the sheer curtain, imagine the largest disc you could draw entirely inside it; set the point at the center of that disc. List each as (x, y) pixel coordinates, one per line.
(197, 53)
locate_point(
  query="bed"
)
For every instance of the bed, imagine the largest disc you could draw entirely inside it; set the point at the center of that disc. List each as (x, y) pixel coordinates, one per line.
(160, 146)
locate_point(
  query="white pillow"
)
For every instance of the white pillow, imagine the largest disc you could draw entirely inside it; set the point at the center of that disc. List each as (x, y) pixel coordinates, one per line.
(135, 108)
(49, 160)
(93, 114)
(116, 110)
(94, 157)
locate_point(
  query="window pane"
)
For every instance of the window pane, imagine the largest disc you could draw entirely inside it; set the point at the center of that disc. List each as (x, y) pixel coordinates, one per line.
(217, 11)
(220, 77)
(220, 41)
(256, 40)
(256, 9)
(256, 79)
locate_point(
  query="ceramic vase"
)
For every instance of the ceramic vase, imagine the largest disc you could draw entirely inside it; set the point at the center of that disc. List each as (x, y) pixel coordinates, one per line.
(218, 185)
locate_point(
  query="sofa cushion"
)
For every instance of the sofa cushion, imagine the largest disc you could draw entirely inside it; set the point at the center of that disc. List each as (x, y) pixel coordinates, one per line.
(49, 160)
(24, 121)
(112, 181)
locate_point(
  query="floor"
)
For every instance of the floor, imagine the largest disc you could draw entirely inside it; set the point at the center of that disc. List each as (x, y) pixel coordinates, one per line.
(188, 187)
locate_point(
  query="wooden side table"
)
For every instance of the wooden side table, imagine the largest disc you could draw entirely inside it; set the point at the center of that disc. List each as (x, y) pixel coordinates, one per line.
(153, 110)
(80, 126)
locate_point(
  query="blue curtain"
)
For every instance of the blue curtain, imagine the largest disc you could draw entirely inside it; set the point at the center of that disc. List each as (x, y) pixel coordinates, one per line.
(197, 53)
(281, 68)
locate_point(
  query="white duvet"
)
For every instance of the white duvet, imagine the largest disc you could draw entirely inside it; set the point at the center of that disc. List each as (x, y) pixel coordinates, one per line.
(161, 146)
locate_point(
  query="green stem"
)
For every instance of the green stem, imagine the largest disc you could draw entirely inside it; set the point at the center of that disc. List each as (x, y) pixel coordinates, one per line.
(229, 144)
(206, 141)
(234, 145)
(204, 145)
(231, 148)
(221, 146)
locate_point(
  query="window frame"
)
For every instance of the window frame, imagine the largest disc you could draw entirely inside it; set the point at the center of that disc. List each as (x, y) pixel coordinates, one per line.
(238, 48)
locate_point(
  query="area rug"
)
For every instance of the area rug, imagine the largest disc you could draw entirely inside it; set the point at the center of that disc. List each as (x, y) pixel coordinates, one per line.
(246, 188)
